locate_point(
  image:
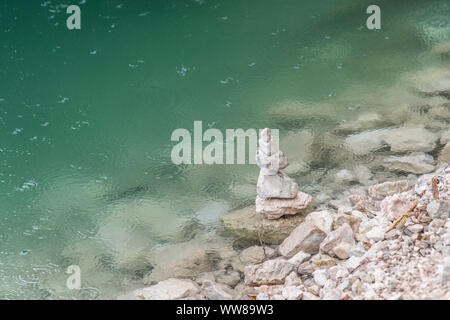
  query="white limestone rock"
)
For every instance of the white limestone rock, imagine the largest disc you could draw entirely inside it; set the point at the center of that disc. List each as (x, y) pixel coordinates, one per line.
(320, 277)
(342, 250)
(170, 289)
(376, 234)
(410, 139)
(394, 206)
(306, 237)
(217, 291)
(299, 258)
(382, 190)
(278, 185)
(292, 293)
(275, 208)
(270, 272)
(336, 240)
(365, 142)
(322, 219)
(345, 175)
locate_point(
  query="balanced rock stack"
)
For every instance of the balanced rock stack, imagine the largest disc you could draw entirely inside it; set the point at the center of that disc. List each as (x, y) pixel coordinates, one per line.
(278, 194)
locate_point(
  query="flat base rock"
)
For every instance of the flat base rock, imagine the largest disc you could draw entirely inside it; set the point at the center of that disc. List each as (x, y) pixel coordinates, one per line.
(249, 224)
(276, 208)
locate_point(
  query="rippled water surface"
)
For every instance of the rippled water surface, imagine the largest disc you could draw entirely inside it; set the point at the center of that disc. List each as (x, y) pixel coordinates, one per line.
(86, 117)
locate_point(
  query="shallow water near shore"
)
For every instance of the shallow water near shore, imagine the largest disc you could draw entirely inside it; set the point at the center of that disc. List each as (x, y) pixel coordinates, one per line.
(86, 118)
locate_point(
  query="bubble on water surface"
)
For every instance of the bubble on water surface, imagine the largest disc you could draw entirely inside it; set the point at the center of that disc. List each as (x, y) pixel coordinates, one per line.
(24, 252)
(17, 131)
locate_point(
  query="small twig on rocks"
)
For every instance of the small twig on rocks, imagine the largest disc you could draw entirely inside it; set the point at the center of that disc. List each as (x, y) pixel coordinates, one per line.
(435, 188)
(363, 262)
(260, 233)
(407, 214)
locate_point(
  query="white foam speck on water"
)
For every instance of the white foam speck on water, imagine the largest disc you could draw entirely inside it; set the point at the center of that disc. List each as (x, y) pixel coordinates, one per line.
(27, 185)
(63, 99)
(226, 80)
(182, 71)
(17, 131)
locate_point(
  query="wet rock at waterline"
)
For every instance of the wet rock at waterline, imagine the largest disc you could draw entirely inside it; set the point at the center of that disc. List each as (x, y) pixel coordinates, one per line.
(170, 289)
(363, 122)
(399, 140)
(430, 82)
(417, 163)
(382, 190)
(442, 49)
(183, 260)
(247, 223)
(256, 254)
(410, 139)
(444, 156)
(217, 291)
(445, 138)
(365, 142)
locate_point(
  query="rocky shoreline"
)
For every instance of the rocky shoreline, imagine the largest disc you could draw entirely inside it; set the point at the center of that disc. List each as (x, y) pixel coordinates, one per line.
(386, 237)
(345, 254)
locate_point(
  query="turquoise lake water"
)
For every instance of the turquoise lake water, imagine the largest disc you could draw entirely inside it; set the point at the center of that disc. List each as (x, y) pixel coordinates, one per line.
(86, 116)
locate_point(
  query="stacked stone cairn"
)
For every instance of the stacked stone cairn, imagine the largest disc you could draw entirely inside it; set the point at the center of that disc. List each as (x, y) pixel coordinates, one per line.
(278, 194)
